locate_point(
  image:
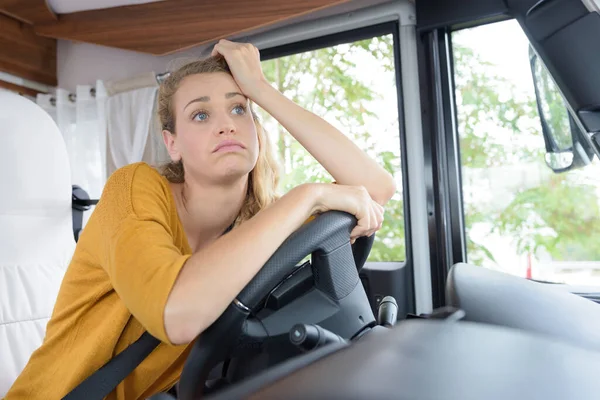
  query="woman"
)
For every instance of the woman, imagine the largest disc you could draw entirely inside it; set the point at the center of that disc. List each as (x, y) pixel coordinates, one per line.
(168, 253)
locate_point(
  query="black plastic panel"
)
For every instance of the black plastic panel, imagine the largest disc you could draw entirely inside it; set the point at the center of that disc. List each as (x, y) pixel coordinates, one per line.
(345, 317)
(422, 359)
(388, 279)
(335, 273)
(591, 119)
(574, 52)
(522, 7)
(433, 14)
(298, 284)
(280, 371)
(548, 17)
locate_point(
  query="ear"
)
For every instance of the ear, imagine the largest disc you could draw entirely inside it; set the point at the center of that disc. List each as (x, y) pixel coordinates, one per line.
(171, 146)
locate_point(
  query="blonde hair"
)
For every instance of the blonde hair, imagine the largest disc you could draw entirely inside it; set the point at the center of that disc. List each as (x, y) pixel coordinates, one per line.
(264, 177)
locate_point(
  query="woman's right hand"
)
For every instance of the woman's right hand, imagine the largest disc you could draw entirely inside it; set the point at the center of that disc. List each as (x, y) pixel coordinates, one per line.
(354, 200)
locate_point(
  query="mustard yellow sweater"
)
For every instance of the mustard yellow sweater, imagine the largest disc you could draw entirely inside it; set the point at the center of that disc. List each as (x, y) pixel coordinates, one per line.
(124, 266)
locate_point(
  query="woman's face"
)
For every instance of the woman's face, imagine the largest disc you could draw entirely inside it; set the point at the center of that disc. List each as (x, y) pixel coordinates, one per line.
(215, 133)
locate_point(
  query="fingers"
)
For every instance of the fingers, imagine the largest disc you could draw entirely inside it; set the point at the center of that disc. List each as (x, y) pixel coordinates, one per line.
(215, 50)
(218, 49)
(370, 221)
(222, 48)
(362, 226)
(225, 46)
(380, 211)
(243, 59)
(357, 201)
(376, 218)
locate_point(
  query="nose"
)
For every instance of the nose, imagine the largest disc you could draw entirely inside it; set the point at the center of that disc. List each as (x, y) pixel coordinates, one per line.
(226, 126)
(227, 130)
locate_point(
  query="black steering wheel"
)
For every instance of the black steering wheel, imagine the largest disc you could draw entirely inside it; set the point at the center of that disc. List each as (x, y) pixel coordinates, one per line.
(335, 265)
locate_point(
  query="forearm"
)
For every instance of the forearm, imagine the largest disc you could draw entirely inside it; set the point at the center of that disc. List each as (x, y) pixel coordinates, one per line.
(216, 274)
(346, 163)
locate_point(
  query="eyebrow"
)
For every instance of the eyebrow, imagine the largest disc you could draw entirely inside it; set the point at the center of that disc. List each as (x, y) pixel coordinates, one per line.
(207, 98)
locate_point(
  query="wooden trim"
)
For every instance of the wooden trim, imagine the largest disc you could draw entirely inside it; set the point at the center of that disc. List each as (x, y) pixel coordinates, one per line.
(26, 55)
(28, 11)
(23, 34)
(26, 73)
(165, 27)
(22, 90)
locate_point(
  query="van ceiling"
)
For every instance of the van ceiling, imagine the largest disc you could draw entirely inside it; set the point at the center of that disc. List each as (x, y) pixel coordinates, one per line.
(29, 29)
(158, 27)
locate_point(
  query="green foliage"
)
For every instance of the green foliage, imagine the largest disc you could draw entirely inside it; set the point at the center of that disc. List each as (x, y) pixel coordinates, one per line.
(559, 214)
(561, 217)
(326, 82)
(484, 98)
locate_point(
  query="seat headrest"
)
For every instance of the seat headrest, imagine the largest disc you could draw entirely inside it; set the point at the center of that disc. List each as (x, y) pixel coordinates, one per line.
(36, 234)
(36, 176)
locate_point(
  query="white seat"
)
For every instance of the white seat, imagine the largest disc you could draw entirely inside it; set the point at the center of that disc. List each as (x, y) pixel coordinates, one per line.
(36, 234)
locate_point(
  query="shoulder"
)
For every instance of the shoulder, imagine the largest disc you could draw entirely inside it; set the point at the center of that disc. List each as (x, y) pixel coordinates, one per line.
(136, 189)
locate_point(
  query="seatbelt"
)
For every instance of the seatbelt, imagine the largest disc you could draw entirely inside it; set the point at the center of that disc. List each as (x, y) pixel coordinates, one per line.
(80, 202)
(102, 382)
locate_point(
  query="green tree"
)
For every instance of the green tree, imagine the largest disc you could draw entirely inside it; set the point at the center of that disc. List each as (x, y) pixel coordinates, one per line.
(559, 214)
(326, 82)
(569, 210)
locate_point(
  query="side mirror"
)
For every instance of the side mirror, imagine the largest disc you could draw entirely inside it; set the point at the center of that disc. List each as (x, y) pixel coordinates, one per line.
(566, 148)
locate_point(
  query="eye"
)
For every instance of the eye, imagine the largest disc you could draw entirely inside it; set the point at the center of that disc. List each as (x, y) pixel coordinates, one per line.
(199, 116)
(239, 109)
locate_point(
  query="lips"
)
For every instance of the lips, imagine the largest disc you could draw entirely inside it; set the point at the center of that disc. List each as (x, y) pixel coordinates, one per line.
(229, 144)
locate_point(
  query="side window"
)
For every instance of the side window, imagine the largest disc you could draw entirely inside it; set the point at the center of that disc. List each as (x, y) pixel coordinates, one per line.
(520, 216)
(353, 87)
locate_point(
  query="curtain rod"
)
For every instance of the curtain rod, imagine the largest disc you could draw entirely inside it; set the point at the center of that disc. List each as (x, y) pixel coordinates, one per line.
(73, 97)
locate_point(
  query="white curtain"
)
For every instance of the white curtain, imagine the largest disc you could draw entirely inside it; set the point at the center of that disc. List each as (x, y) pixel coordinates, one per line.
(81, 120)
(129, 116)
(105, 127)
(133, 129)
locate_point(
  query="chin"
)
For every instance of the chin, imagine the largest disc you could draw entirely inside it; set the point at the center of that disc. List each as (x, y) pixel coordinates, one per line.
(232, 173)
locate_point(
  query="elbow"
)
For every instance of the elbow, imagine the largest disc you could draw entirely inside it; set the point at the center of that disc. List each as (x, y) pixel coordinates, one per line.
(179, 327)
(385, 190)
(178, 331)
(178, 334)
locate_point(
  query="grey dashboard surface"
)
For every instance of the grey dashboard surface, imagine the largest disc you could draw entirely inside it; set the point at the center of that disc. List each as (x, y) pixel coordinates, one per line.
(425, 359)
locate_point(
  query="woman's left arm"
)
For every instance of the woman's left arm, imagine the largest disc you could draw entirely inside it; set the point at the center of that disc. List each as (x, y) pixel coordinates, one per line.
(346, 163)
(343, 159)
